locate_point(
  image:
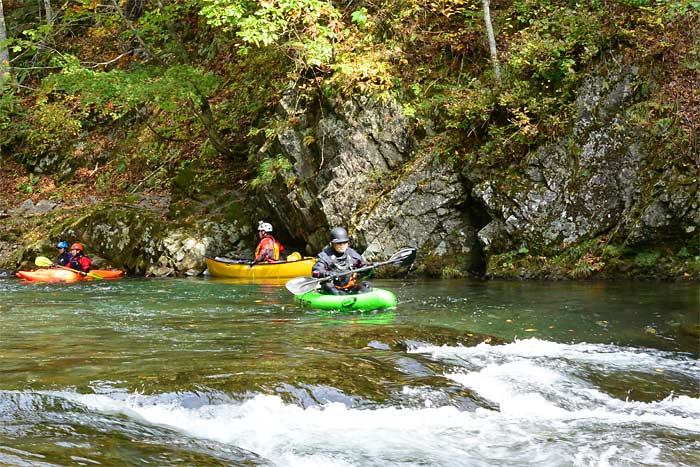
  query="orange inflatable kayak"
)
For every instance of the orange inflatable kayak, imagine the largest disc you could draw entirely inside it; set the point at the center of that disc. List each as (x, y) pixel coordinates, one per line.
(64, 275)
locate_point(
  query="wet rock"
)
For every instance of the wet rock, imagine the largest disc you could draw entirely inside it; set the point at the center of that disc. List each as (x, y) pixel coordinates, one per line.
(28, 208)
(142, 242)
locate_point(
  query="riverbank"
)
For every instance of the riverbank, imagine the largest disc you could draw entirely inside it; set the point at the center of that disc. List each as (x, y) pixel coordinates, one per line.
(34, 222)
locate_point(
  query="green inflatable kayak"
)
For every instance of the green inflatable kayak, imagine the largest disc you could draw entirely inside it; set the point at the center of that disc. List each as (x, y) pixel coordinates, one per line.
(375, 299)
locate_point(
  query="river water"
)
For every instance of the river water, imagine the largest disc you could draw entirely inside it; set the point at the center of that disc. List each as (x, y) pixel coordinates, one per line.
(205, 372)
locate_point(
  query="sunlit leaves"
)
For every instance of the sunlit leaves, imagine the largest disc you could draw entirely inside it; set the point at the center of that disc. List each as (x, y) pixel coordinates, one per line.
(359, 17)
(454, 7)
(362, 72)
(269, 169)
(225, 13)
(306, 28)
(49, 127)
(549, 48)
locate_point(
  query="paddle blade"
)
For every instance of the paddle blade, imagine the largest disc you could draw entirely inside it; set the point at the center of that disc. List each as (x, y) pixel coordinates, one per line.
(43, 261)
(301, 285)
(404, 257)
(94, 275)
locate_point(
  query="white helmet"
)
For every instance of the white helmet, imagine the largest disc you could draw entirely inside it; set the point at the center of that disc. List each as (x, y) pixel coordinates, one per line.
(265, 227)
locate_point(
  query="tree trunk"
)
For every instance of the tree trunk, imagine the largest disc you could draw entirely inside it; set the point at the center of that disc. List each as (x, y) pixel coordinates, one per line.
(209, 123)
(4, 53)
(49, 11)
(492, 40)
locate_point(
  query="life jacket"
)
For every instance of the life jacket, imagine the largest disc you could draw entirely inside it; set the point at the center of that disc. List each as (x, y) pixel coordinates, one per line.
(80, 263)
(268, 249)
(63, 259)
(341, 264)
(351, 281)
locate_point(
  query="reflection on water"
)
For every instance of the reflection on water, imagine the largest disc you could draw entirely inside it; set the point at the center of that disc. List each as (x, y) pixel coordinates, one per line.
(183, 372)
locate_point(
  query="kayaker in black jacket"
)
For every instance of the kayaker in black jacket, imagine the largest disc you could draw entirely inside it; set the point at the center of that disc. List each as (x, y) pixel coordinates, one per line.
(63, 254)
(339, 258)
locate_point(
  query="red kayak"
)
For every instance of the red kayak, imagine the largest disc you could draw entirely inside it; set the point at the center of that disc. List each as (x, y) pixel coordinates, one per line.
(64, 275)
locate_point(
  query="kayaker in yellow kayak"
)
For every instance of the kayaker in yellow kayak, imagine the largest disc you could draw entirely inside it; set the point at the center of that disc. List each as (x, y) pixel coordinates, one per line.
(338, 258)
(269, 250)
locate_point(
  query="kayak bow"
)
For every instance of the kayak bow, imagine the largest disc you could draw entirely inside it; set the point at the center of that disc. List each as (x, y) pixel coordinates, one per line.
(375, 299)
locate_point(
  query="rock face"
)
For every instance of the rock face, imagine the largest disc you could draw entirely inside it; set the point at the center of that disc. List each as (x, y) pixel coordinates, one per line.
(143, 243)
(357, 146)
(428, 209)
(597, 181)
(361, 172)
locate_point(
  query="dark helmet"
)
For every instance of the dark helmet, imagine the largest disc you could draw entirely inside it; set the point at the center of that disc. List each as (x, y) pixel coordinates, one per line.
(339, 235)
(62, 245)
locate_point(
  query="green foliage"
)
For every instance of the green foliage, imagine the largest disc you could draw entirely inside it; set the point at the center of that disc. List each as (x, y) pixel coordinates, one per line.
(466, 107)
(683, 253)
(551, 44)
(647, 258)
(252, 96)
(52, 127)
(683, 7)
(306, 28)
(449, 272)
(12, 125)
(30, 186)
(364, 72)
(115, 93)
(164, 25)
(109, 94)
(635, 3)
(612, 251)
(359, 17)
(270, 168)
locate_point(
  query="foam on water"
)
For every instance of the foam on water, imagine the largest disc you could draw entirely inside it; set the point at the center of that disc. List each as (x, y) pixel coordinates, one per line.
(604, 355)
(547, 416)
(538, 379)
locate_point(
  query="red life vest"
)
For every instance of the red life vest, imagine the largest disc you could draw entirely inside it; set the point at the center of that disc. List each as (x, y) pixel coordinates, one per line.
(80, 263)
(268, 249)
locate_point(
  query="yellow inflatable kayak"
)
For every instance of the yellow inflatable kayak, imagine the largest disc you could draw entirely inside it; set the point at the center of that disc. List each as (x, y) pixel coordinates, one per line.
(226, 267)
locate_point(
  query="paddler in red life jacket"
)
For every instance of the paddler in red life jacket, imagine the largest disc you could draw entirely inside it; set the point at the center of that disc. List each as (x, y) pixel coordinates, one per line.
(269, 250)
(338, 258)
(78, 260)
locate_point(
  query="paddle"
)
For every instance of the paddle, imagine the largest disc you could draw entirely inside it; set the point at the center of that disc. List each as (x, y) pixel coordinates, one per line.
(299, 285)
(45, 262)
(222, 259)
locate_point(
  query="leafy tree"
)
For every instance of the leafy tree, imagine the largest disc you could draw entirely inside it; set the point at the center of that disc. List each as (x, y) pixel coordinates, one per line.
(152, 71)
(306, 29)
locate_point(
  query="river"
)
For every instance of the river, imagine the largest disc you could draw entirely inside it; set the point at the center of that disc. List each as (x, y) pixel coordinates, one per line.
(206, 372)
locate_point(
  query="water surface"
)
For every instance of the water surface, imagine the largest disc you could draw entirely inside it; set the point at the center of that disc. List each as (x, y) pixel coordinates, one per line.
(183, 372)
